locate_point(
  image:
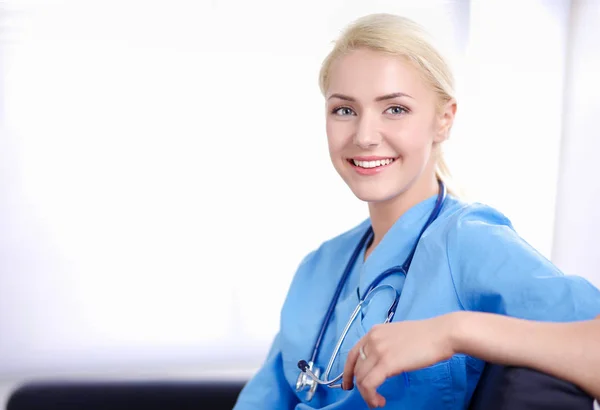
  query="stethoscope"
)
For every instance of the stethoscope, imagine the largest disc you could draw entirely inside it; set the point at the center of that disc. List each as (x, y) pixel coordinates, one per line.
(310, 376)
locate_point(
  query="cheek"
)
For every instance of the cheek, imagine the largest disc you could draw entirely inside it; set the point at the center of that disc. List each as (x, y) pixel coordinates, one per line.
(338, 135)
(413, 141)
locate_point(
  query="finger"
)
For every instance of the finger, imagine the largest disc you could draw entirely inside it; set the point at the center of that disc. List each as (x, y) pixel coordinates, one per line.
(364, 366)
(351, 360)
(369, 385)
(353, 355)
(362, 374)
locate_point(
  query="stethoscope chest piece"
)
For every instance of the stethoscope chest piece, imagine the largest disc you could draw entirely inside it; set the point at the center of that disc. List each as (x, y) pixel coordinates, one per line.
(305, 381)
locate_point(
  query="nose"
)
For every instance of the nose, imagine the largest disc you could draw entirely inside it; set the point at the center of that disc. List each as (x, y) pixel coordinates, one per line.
(367, 136)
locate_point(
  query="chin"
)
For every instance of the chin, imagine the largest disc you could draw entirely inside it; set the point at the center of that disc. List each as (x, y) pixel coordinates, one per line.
(373, 194)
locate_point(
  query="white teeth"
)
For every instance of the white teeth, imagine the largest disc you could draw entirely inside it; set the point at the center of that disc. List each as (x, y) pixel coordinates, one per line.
(372, 164)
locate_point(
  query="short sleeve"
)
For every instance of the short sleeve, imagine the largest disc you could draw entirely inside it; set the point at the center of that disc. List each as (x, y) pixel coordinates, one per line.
(268, 389)
(495, 270)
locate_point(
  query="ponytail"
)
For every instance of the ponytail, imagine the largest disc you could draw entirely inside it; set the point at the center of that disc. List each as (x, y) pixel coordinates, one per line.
(442, 173)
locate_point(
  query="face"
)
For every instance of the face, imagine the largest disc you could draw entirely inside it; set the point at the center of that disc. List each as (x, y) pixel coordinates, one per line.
(383, 122)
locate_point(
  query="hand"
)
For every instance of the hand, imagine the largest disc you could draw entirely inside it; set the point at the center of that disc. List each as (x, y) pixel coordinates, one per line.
(394, 348)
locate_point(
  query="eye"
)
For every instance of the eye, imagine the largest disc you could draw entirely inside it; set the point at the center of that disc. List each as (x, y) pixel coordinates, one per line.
(397, 110)
(343, 111)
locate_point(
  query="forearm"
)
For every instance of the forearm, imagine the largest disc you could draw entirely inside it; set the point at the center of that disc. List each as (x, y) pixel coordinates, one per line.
(570, 351)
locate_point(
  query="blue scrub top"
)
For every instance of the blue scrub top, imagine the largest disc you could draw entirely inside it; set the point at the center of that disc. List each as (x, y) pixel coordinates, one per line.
(470, 258)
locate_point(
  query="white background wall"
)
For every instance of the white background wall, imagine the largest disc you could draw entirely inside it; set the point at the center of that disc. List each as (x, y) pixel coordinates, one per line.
(164, 165)
(576, 243)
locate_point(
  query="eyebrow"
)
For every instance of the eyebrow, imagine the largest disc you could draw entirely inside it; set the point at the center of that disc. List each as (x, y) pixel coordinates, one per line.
(380, 98)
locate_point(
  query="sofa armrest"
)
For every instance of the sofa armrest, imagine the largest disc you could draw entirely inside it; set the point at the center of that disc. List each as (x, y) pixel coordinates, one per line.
(518, 388)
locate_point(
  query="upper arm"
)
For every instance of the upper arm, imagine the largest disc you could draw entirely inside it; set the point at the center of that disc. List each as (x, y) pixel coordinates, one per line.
(495, 270)
(268, 389)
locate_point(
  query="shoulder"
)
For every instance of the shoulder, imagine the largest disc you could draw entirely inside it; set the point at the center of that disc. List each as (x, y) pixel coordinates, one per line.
(472, 217)
(476, 226)
(480, 239)
(317, 271)
(494, 269)
(470, 226)
(482, 246)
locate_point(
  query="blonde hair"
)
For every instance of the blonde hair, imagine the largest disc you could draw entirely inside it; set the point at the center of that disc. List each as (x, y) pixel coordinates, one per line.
(402, 37)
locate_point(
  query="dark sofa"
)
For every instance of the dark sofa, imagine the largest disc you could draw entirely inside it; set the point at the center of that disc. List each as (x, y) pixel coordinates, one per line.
(500, 388)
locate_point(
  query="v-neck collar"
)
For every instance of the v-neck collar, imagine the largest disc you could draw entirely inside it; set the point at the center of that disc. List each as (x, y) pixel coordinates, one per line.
(396, 244)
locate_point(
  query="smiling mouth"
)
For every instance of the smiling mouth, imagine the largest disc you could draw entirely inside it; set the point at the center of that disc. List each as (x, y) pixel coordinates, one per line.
(372, 164)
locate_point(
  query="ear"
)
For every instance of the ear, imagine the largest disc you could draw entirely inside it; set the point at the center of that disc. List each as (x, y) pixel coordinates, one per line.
(445, 121)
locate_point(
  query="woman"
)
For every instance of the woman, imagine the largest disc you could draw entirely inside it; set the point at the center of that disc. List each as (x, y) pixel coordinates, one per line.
(421, 254)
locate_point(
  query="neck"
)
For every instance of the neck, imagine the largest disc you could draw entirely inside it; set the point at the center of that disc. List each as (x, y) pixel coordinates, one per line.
(384, 214)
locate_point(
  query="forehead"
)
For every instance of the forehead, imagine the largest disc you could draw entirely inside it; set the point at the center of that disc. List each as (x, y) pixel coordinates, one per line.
(366, 74)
